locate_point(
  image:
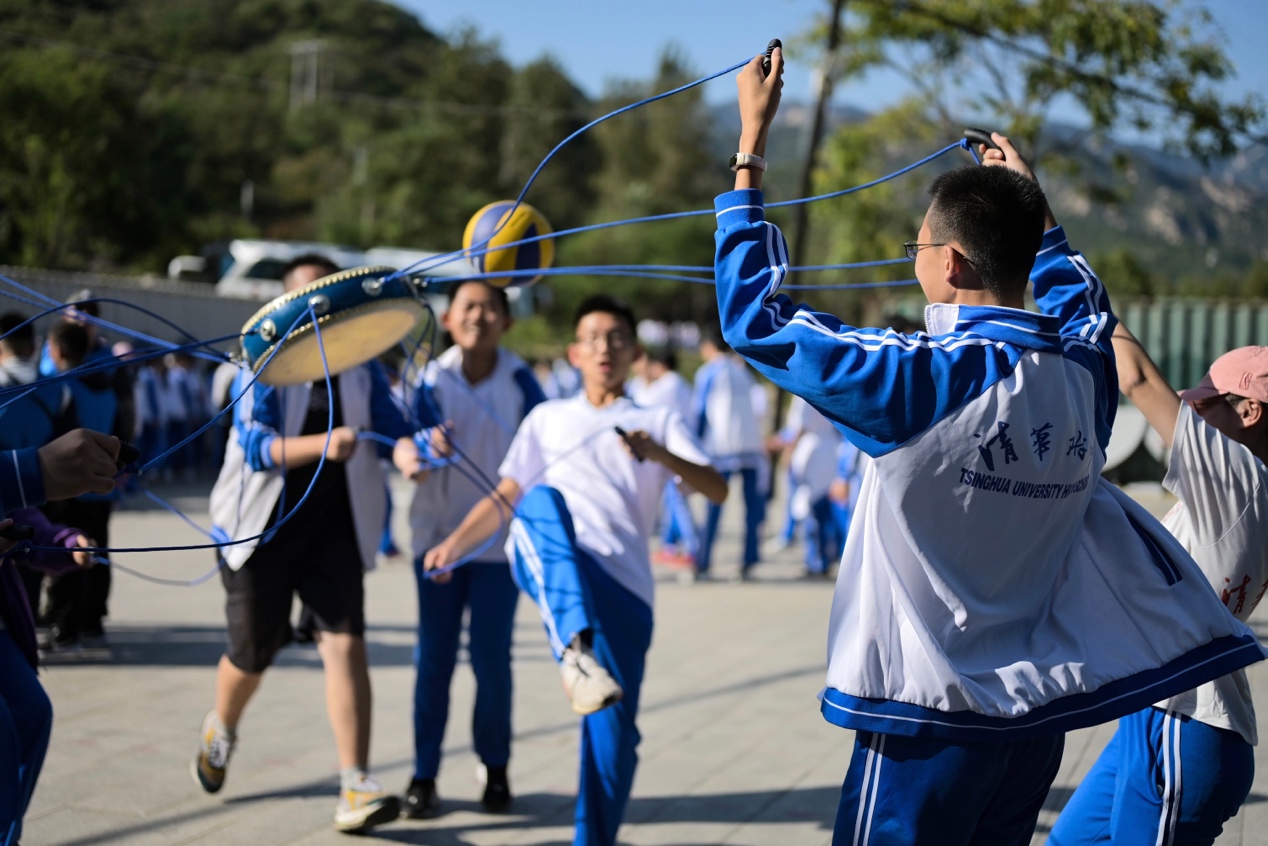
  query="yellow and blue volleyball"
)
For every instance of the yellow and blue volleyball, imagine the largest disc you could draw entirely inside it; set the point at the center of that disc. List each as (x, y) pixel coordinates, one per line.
(502, 223)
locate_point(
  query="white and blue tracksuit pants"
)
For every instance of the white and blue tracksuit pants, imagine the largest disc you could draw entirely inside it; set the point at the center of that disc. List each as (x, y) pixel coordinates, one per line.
(909, 791)
(575, 594)
(1164, 779)
(487, 589)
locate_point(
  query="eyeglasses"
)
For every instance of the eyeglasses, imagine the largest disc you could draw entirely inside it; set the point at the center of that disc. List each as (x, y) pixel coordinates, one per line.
(912, 248)
(612, 340)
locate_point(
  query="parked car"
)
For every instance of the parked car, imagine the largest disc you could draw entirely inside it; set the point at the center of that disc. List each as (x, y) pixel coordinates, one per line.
(252, 269)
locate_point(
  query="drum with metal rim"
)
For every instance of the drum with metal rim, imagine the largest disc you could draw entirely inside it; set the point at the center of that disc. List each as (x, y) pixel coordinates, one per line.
(361, 313)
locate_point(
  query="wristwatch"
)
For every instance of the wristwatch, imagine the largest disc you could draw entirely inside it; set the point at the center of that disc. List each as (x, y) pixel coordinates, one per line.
(740, 160)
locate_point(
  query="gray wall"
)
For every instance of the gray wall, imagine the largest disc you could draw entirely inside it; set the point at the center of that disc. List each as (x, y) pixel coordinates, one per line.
(192, 306)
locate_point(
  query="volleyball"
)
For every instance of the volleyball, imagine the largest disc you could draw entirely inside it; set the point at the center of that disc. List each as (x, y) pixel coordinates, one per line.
(502, 223)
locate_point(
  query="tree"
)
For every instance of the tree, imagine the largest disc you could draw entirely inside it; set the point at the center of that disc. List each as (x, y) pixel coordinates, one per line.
(655, 160)
(1124, 274)
(1141, 64)
(543, 107)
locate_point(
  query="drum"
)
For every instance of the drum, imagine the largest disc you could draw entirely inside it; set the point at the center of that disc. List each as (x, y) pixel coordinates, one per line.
(361, 314)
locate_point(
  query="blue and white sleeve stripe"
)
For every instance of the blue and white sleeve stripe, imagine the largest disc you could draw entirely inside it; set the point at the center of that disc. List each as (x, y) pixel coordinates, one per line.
(21, 485)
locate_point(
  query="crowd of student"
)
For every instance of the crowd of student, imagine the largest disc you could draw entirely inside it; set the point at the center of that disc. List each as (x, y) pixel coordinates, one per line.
(974, 622)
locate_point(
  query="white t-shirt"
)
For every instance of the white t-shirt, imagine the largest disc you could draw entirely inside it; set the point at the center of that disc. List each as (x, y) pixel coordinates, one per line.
(573, 447)
(670, 390)
(1222, 520)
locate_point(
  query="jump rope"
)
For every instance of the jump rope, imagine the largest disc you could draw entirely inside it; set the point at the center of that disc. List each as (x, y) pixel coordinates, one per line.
(419, 352)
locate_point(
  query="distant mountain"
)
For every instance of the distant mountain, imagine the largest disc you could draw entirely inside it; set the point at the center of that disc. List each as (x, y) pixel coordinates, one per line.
(1180, 218)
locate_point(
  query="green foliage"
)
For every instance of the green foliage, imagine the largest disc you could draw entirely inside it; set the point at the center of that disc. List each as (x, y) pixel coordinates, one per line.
(655, 160)
(1124, 275)
(1145, 64)
(1127, 64)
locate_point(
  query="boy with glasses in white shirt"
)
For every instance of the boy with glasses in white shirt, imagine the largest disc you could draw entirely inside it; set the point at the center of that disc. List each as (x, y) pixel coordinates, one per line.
(581, 486)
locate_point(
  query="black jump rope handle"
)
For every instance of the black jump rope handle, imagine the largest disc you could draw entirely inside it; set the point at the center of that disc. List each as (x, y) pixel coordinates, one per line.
(980, 136)
(770, 48)
(128, 454)
(625, 436)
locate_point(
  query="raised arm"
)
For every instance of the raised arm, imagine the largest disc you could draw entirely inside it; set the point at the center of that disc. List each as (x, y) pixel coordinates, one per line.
(879, 386)
(1065, 285)
(1142, 382)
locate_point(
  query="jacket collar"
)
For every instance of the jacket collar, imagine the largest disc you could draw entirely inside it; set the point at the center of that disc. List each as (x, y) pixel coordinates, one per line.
(1027, 329)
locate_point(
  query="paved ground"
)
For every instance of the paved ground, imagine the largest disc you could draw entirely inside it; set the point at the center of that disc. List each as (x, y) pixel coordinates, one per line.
(734, 749)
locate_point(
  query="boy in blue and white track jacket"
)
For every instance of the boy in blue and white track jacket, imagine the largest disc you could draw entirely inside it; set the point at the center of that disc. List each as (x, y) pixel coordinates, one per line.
(994, 592)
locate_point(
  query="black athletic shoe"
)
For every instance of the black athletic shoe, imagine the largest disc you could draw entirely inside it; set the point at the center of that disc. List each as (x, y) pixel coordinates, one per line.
(497, 790)
(421, 800)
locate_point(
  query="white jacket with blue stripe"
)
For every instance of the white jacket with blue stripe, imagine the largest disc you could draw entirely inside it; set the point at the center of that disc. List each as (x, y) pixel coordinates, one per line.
(992, 587)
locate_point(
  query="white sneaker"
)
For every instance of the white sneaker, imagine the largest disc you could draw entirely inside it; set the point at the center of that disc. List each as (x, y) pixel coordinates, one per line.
(365, 805)
(589, 687)
(212, 760)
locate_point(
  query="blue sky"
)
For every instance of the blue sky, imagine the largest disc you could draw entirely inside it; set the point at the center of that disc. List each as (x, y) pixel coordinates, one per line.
(597, 41)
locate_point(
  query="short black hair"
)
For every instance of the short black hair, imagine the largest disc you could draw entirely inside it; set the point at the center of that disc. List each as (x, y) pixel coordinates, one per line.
(664, 355)
(84, 301)
(606, 304)
(997, 216)
(713, 335)
(309, 258)
(498, 293)
(17, 334)
(72, 340)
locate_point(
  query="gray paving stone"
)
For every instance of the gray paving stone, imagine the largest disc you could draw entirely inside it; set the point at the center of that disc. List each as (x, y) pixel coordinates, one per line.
(734, 749)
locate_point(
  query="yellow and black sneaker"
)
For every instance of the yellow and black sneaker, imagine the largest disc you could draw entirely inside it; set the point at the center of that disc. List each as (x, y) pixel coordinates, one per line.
(214, 748)
(364, 805)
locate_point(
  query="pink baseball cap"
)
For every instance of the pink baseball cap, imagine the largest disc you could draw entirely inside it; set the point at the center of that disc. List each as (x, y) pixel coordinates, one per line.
(1243, 371)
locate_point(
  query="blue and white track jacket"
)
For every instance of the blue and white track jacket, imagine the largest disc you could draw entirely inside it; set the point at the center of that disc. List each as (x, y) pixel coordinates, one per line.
(992, 587)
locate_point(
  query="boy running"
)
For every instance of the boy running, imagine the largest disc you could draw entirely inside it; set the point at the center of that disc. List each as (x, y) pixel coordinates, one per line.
(320, 553)
(584, 477)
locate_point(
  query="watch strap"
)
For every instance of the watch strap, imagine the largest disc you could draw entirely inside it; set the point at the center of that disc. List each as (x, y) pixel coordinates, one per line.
(740, 160)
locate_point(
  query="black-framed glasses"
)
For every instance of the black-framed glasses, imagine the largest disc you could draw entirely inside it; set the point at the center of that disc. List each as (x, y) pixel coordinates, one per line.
(912, 248)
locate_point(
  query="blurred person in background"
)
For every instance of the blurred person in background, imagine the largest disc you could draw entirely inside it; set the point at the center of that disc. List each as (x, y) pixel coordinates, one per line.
(730, 430)
(658, 383)
(78, 600)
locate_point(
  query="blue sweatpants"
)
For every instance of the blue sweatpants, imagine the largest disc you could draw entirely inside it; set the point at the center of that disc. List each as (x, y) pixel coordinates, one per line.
(824, 540)
(1163, 780)
(754, 514)
(903, 791)
(488, 590)
(26, 721)
(678, 526)
(575, 594)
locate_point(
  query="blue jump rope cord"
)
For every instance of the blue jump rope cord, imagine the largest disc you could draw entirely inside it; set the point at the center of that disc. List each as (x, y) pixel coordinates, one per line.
(421, 267)
(533, 177)
(418, 267)
(43, 300)
(320, 464)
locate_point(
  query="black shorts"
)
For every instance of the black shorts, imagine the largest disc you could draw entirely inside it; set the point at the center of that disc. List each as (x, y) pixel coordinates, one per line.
(327, 575)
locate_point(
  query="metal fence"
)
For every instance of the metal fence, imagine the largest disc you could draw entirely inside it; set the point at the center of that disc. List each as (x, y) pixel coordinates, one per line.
(1184, 335)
